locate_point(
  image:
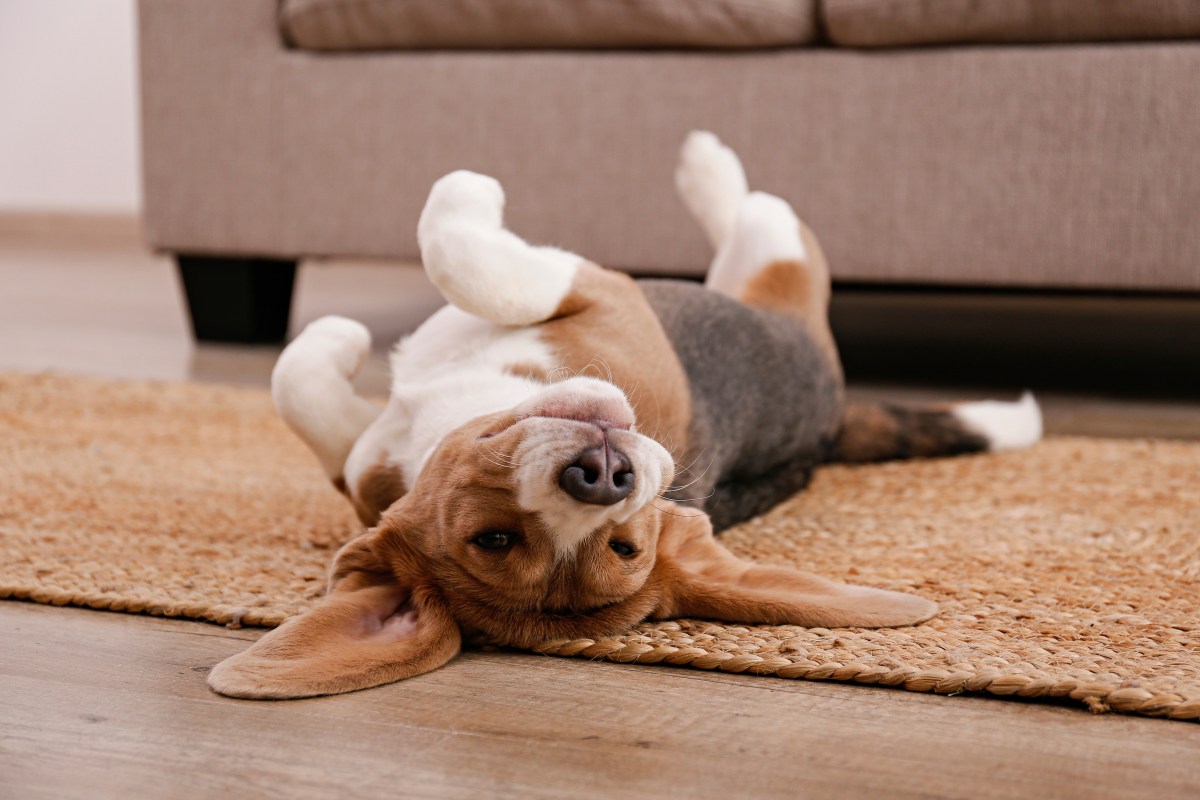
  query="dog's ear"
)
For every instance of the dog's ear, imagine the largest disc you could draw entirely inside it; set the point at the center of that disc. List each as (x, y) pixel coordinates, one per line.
(698, 577)
(375, 626)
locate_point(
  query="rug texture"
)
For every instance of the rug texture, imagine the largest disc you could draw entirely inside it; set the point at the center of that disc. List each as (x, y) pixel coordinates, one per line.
(1071, 570)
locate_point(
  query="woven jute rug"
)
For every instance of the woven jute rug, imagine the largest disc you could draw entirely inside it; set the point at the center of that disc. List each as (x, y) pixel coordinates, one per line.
(1071, 570)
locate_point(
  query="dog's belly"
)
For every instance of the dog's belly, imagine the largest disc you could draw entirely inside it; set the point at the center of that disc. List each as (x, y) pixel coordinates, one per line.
(766, 401)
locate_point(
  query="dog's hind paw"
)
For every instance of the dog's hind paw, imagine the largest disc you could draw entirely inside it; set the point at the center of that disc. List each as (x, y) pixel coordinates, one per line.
(711, 182)
(313, 390)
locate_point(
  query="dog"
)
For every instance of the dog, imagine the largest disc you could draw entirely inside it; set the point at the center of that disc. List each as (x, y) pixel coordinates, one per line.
(562, 442)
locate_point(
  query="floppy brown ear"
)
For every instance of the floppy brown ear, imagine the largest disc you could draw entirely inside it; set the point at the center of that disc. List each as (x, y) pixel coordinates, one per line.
(700, 578)
(373, 627)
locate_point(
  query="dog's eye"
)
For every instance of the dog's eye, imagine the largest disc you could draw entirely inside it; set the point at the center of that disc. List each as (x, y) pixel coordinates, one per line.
(494, 540)
(622, 549)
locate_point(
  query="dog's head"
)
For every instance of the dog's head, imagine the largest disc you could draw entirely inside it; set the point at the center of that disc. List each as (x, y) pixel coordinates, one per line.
(536, 523)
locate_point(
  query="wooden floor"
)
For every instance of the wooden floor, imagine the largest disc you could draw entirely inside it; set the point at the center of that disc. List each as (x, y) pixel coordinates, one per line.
(104, 705)
(96, 705)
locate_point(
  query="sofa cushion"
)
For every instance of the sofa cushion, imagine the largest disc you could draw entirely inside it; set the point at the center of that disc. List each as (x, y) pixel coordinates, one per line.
(482, 24)
(892, 23)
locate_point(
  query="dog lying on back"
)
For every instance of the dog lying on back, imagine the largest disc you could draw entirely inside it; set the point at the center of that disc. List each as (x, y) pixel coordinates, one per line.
(510, 493)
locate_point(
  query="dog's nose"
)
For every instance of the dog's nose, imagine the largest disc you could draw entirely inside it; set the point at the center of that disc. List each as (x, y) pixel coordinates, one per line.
(600, 475)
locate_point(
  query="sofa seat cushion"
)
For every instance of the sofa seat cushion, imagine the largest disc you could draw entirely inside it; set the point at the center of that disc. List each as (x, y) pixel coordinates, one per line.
(484, 24)
(894, 23)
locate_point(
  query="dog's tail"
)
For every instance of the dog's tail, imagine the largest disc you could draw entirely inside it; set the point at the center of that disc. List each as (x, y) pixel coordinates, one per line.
(312, 389)
(881, 432)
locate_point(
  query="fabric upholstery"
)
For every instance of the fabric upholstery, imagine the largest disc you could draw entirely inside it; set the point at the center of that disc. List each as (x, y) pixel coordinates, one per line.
(1031, 166)
(892, 23)
(396, 24)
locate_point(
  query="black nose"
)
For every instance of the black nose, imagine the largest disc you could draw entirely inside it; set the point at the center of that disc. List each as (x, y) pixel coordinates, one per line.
(600, 475)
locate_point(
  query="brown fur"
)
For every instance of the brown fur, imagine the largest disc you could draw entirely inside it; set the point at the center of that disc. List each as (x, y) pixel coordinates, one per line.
(404, 594)
(379, 486)
(606, 312)
(533, 372)
(344, 643)
(789, 287)
(782, 286)
(526, 594)
(698, 577)
(865, 427)
(878, 432)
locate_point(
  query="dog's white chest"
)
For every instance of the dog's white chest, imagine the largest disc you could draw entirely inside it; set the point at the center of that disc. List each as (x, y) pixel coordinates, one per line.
(452, 341)
(452, 369)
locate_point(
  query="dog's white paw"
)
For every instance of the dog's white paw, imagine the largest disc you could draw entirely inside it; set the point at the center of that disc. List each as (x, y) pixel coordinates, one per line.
(339, 340)
(480, 266)
(712, 183)
(765, 230)
(463, 198)
(312, 389)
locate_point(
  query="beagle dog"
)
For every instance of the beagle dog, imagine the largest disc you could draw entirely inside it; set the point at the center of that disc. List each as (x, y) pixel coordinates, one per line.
(561, 442)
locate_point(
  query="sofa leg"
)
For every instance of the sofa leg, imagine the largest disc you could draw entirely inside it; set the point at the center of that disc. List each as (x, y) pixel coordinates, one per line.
(245, 300)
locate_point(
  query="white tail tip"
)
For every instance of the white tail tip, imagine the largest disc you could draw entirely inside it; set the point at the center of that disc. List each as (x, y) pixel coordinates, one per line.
(1007, 425)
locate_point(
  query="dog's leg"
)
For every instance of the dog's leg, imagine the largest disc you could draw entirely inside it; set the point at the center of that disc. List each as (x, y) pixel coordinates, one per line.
(712, 184)
(765, 256)
(313, 393)
(480, 266)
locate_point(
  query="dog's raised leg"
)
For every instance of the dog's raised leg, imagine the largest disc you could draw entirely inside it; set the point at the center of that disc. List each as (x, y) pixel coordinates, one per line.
(765, 256)
(311, 386)
(712, 184)
(480, 266)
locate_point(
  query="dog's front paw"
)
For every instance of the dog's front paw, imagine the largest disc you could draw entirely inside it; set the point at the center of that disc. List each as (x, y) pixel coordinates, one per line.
(480, 266)
(463, 198)
(711, 182)
(342, 341)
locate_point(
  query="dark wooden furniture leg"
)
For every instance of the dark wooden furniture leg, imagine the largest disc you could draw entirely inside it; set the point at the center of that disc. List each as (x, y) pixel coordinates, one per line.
(245, 300)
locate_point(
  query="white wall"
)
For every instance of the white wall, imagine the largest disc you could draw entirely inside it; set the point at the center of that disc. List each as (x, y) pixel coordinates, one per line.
(68, 106)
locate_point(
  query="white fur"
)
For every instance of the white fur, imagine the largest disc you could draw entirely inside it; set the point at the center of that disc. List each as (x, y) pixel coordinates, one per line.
(766, 230)
(710, 180)
(311, 386)
(448, 372)
(454, 367)
(550, 445)
(1007, 426)
(748, 230)
(481, 267)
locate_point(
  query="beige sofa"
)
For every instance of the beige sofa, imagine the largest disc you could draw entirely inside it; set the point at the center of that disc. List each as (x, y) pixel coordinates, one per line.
(954, 142)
